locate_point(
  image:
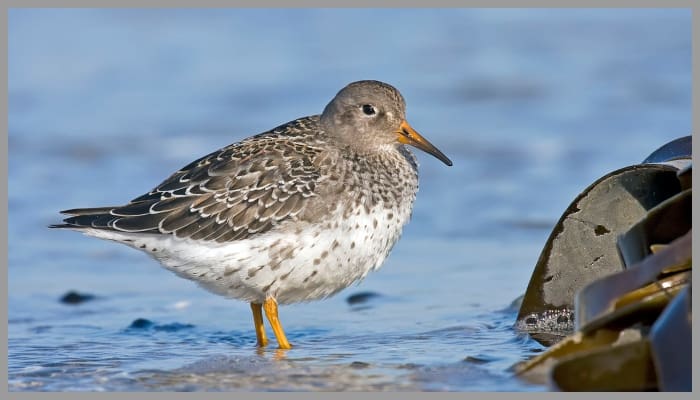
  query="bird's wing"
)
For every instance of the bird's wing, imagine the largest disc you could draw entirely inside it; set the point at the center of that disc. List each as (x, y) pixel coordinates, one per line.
(239, 191)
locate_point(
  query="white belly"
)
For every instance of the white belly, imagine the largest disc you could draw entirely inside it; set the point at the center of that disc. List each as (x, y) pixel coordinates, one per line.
(311, 262)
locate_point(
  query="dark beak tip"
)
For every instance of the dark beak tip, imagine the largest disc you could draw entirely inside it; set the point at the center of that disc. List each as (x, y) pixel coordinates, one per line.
(442, 157)
(445, 160)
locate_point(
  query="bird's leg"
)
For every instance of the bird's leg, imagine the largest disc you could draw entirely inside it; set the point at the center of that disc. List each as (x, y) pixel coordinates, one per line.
(270, 307)
(258, 321)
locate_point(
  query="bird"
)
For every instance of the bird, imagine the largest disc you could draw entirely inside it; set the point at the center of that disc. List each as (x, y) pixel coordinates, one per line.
(293, 214)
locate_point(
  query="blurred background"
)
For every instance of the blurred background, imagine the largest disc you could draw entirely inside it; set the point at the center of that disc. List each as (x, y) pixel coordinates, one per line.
(532, 105)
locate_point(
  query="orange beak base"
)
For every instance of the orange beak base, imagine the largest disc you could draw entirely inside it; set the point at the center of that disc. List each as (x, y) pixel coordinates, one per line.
(407, 135)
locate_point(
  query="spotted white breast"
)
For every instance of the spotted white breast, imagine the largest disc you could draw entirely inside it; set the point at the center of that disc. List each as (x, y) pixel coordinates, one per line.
(312, 262)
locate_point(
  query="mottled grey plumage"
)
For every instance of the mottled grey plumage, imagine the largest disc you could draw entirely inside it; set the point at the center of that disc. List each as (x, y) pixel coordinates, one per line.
(292, 214)
(239, 191)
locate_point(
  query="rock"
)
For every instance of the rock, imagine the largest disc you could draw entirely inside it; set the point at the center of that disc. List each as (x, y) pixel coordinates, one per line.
(362, 297)
(74, 297)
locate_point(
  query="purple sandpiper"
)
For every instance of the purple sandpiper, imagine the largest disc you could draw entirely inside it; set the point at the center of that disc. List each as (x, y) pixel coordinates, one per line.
(294, 214)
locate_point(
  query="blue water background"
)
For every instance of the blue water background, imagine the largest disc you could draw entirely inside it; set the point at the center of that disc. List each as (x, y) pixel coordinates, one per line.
(532, 105)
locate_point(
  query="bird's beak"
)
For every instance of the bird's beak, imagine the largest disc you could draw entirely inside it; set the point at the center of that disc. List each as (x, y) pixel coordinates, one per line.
(407, 135)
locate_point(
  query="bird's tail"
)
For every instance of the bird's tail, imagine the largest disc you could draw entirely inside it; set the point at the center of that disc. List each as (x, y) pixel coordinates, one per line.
(96, 218)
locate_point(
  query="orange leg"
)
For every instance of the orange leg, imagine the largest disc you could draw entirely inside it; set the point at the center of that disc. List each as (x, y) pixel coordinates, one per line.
(270, 307)
(258, 321)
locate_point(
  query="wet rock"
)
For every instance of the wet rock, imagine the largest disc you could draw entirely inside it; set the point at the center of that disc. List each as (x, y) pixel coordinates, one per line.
(665, 222)
(633, 326)
(359, 365)
(674, 368)
(583, 245)
(645, 204)
(74, 297)
(631, 291)
(362, 298)
(141, 323)
(673, 150)
(625, 367)
(479, 359)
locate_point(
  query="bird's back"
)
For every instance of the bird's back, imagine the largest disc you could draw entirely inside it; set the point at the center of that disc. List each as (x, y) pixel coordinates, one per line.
(239, 191)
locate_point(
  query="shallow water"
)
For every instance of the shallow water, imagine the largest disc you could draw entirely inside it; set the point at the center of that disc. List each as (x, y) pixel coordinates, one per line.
(531, 105)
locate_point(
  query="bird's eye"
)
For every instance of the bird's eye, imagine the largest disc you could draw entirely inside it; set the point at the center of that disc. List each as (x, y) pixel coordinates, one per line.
(369, 109)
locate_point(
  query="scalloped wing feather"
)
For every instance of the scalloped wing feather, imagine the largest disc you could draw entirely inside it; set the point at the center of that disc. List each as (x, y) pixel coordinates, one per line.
(242, 190)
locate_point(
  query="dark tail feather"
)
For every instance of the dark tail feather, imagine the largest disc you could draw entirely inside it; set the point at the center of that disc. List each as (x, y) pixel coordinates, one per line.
(99, 218)
(88, 211)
